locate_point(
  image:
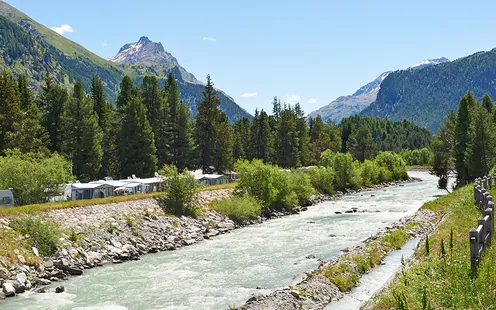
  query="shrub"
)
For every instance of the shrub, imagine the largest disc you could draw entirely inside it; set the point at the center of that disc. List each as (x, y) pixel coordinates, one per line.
(238, 208)
(326, 158)
(270, 185)
(44, 234)
(369, 173)
(301, 186)
(393, 163)
(322, 179)
(344, 171)
(420, 157)
(33, 177)
(183, 191)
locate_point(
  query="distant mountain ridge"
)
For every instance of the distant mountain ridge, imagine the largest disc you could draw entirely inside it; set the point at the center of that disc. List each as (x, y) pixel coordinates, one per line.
(346, 106)
(425, 96)
(27, 47)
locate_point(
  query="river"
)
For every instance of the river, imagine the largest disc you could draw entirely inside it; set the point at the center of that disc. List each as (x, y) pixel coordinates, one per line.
(226, 270)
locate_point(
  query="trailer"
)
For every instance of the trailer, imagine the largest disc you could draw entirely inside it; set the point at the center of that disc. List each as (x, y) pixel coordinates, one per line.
(6, 198)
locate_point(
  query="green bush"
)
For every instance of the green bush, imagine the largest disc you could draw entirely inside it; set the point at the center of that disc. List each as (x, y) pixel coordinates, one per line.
(44, 234)
(344, 171)
(273, 187)
(301, 186)
(369, 172)
(238, 208)
(183, 191)
(33, 177)
(393, 163)
(420, 157)
(322, 179)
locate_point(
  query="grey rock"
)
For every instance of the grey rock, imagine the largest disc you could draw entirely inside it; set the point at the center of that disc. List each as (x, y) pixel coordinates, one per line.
(8, 289)
(35, 251)
(43, 282)
(115, 243)
(90, 257)
(4, 273)
(48, 263)
(73, 271)
(299, 278)
(19, 287)
(21, 277)
(59, 289)
(29, 285)
(21, 259)
(2, 295)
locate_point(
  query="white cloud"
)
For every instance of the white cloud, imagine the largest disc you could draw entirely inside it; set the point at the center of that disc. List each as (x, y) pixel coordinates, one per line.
(63, 29)
(312, 100)
(247, 95)
(209, 39)
(292, 99)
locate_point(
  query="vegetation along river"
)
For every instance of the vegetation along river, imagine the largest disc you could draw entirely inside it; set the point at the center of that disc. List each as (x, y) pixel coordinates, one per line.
(227, 270)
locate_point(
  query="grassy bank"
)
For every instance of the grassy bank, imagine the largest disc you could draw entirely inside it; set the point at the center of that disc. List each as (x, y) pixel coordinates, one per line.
(35, 208)
(346, 272)
(441, 277)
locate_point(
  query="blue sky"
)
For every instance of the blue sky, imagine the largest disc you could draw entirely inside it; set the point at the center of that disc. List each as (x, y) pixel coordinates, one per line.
(311, 51)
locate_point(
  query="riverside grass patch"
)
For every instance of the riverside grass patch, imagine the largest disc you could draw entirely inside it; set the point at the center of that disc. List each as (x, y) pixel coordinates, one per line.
(238, 208)
(43, 234)
(346, 272)
(441, 276)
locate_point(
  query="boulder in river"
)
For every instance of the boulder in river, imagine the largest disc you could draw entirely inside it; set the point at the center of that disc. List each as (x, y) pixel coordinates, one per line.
(59, 289)
(8, 289)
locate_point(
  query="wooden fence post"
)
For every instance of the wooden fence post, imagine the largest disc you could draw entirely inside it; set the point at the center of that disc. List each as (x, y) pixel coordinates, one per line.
(474, 246)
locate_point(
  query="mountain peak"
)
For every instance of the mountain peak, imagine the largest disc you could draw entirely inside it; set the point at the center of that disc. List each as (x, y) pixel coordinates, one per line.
(144, 40)
(150, 53)
(429, 62)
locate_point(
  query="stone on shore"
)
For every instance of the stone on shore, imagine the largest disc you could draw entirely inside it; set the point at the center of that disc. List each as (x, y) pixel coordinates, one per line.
(8, 289)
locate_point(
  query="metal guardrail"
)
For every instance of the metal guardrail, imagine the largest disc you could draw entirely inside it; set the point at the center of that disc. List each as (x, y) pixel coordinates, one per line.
(481, 236)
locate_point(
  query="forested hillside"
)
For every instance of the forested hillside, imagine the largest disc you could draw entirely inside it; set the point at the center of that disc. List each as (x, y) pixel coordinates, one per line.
(425, 96)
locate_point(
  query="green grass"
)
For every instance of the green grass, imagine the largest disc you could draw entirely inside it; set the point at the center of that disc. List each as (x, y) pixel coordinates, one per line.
(435, 281)
(43, 234)
(346, 272)
(36, 208)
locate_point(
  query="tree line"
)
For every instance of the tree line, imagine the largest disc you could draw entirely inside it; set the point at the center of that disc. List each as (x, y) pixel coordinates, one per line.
(465, 146)
(149, 127)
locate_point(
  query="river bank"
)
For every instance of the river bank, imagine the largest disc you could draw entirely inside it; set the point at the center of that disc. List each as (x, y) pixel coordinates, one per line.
(114, 233)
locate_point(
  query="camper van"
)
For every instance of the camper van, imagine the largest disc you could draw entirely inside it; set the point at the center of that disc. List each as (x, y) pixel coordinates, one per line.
(6, 198)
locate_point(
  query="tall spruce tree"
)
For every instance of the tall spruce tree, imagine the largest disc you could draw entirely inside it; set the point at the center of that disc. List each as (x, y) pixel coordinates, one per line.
(287, 153)
(361, 145)
(183, 141)
(10, 108)
(106, 119)
(51, 102)
(483, 151)
(126, 92)
(135, 141)
(206, 126)
(223, 160)
(462, 147)
(303, 137)
(28, 134)
(82, 136)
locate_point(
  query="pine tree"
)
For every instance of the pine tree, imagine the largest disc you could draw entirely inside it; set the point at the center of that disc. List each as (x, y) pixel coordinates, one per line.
(303, 137)
(103, 110)
(206, 126)
(361, 145)
(242, 138)
(488, 103)
(287, 140)
(51, 102)
(483, 151)
(152, 99)
(126, 92)
(223, 144)
(28, 134)
(136, 146)
(462, 146)
(10, 108)
(82, 143)
(183, 141)
(261, 141)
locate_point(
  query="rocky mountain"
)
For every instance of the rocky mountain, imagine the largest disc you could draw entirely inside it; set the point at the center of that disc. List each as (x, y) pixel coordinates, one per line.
(346, 106)
(150, 53)
(425, 96)
(350, 105)
(30, 48)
